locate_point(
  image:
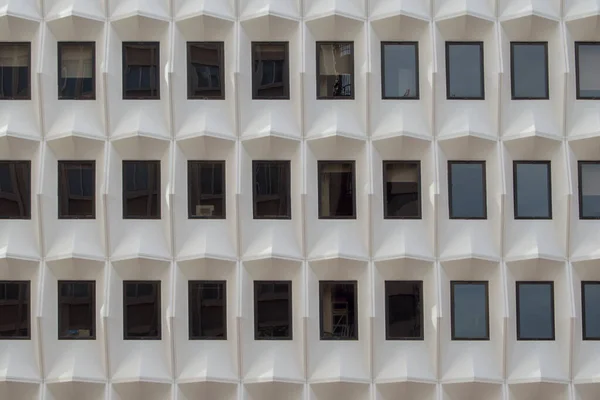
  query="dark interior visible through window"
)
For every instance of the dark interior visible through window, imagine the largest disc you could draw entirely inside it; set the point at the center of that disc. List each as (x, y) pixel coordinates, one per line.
(76, 70)
(466, 190)
(400, 70)
(335, 70)
(15, 310)
(15, 189)
(404, 310)
(206, 70)
(141, 310)
(206, 189)
(141, 189)
(590, 315)
(76, 189)
(76, 309)
(535, 310)
(464, 71)
(532, 190)
(337, 189)
(141, 76)
(271, 180)
(470, 310)
(270, 70)
(15, 71)
(338, 302)
(273, 310)
(402, 189)
(208, 310)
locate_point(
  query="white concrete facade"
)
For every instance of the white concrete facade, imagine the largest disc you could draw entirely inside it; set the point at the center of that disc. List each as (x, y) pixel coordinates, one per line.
(304, 249)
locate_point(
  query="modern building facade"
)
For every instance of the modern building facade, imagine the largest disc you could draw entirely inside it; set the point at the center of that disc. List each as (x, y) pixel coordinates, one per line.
(299, 199)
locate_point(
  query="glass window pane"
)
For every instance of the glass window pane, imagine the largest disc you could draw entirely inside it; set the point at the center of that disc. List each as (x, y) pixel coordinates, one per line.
(15, 310)
(271, 180)
(270, 70)
(588, 57)
(76, 74)
(208, 310)
(76, 310)
(142, 310)
(467, 189)
(589, 189)
(205, 69)
(273, 310)
(76, 184)
(15, 189)
(532, 190)
(339, 312)
(15, 66)
(336, 189)
(529, 70)
(535, 311)
(206, 186)
(141, 79)
(470, 310)
(404, 309)
(335, 70)
(591, 311)
(400, 70)
(464, 62)
(141, 188)
(402, 197)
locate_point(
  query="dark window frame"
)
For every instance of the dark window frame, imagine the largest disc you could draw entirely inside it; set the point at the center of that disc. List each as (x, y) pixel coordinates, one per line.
(158, 305)
(549, 164)
(92, 284)
(453, 316)
(189, 187)
(578, 95)
(221, 50)
(512, 70)
(320, 165)
(27, 284)
(62, 163)
(59, 52)
(417, 95)
(583, 317)
(29, 80)
(387, 311)
(191, 286)
(321, 331)
(318, 45)
(288, 214)
(28, 198)
(551, 283)
(580, 164)
(125, 66)
(285, 72)
(290, 309)
(481, 61)
(484, 182)
(159, 188)
(420, 197)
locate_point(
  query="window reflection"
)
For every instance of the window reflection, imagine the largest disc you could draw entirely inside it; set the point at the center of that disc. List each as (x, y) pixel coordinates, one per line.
(464, 64)
(529, 63)
(535, 311)
(336, 189)
(273, 310)
(589, 189)
(14, 310)
(270, 70)
(271, 189)
(141, 188)
(532, 188)
(400, 70)
(590, 293)
(335, 70)
(140, 70)
(142, 313)
(206, 186)
(76, 310)
(207, 308)
(205, 70)
(15, 65)
(339, 314)
(588, 61)
(404, 309)
(470, 311)
(15, 189)
(76, 74)
(76, 189)
(466, 189)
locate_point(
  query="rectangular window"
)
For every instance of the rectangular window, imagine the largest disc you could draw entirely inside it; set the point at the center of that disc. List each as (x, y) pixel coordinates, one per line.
(535, 310)
(15, 310)
(587, 63)
(532, 190)
(141, 310)
(273, 310)
(404, 310)
(208, 310)
(466, 190)
(141, 70)
(338, 305)
(464, 71)
(206, 189)
(270, 70)
(589, 189)
(402, 189)
(400, 70)
(335, 70)
(15, 71)
(590, 312)
(15, 189)
(141, 189)
(271, 181)
(206, 70)
(529, 70)
(76, 189)
(337, 190)
(76, 310)
(470, 310)
(76, 70)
